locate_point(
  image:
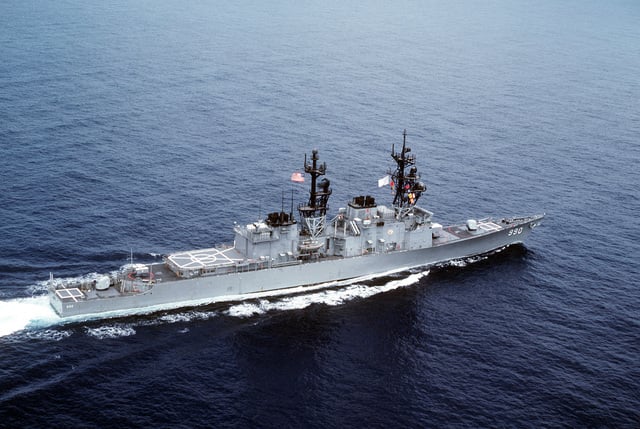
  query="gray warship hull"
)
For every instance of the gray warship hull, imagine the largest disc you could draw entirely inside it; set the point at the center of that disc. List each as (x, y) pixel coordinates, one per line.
(169, 291)
(281, 254)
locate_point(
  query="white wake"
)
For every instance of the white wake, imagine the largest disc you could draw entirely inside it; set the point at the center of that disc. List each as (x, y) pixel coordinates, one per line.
(23, 313)
(331, 297)
(35, 316)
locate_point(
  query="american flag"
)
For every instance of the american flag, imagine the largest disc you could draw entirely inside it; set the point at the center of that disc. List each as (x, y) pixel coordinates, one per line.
(297, 177)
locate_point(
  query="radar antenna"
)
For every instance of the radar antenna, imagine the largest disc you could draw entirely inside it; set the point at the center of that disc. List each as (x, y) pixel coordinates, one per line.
(314, 212)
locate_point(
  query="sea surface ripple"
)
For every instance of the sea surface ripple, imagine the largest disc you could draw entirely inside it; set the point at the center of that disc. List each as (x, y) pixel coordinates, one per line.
(149, 127)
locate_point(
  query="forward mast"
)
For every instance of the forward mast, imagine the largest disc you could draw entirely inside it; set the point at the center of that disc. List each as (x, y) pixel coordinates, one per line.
(314, 212)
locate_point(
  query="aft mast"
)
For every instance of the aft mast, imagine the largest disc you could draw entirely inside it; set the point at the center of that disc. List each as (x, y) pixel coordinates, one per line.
(407, 187)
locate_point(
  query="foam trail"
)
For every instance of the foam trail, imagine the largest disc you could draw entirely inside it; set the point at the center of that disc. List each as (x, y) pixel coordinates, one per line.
(328, 297)
(21, 313)
(111, 331)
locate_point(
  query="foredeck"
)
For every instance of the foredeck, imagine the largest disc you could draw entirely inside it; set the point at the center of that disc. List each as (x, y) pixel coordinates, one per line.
(459, 232)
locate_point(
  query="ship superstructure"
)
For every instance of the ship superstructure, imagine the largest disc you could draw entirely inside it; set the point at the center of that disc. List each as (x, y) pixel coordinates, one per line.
(280, 252)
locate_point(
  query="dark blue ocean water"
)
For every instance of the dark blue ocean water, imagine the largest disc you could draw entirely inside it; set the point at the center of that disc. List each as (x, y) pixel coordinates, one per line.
(151, 126)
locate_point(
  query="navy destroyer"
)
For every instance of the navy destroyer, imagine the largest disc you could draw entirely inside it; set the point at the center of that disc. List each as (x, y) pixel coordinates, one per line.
(283, 253)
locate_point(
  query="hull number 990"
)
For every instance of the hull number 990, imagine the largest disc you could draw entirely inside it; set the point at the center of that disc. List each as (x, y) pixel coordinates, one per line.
(515, 231)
